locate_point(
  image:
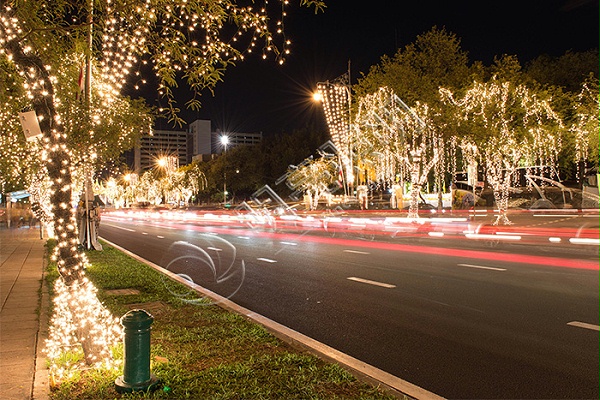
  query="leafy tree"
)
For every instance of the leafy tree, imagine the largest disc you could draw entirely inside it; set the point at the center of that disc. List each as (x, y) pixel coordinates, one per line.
(401, 141)
(314, 178)
(416, 72)
(568, 71)
(507, 126)
(44, 42)
(585, 127)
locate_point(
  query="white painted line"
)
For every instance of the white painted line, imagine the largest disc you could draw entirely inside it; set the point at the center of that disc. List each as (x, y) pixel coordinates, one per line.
(266, 260)
(214, 248)
(144, 233)
(356, 252)
(120, 227)
(160, 237)
(555, 239)
(436, 234)
(584, 325)
(481, 267)
(367, 281)
(244, 237)
(590, 241)
(290, 243)
(492, 237)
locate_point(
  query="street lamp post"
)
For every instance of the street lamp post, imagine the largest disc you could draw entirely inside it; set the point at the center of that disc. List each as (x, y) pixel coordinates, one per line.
(225, 141)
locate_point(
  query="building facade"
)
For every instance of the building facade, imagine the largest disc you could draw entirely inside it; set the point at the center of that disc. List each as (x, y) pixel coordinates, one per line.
(198, 143)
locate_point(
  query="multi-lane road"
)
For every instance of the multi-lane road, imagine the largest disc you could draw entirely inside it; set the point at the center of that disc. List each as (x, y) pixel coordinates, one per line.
(454, 316)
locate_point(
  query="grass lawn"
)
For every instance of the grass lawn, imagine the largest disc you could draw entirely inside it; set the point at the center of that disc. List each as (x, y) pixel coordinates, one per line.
(201, 351)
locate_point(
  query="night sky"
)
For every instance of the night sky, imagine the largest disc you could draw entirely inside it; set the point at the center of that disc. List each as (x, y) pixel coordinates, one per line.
(260, 95)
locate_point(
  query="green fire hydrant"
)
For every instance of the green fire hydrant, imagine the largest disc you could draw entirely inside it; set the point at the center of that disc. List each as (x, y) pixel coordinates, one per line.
(136, 354)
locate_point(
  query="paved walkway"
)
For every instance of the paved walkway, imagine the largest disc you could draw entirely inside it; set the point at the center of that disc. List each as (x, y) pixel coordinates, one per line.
(23, 315)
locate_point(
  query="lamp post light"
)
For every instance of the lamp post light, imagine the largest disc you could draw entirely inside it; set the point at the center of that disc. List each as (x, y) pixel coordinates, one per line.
(224, 142)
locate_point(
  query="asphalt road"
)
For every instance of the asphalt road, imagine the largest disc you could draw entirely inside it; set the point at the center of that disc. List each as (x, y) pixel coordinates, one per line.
(462, 322)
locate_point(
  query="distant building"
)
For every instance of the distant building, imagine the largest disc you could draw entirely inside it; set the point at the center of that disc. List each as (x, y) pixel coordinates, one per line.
(199, 142)
(157, 144)
(201, 139)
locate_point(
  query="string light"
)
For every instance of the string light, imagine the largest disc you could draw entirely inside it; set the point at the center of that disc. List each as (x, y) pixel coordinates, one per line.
(193, 44)
(397, 141)
(511, 127)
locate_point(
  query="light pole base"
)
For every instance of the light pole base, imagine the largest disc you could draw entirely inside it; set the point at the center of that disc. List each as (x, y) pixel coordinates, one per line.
(124, 387)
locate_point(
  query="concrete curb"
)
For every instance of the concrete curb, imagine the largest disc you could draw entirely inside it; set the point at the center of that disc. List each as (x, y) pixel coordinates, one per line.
(366, 372)
(41, 384)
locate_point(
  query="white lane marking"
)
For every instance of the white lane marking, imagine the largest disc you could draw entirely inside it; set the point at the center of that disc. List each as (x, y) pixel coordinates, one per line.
(584, 325)
(214, 248)
(370, 282)
(266, 260)
(493, 237)
(595, 242)
(555, 239)
(120, 227)
(290, 243)
(160, 237)
(144, 233)
(436, 234)
(481, 267)
(356, 252)
(244, 237)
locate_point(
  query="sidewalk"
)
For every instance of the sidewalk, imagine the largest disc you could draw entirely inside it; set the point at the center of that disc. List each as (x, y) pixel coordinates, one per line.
(23, 315)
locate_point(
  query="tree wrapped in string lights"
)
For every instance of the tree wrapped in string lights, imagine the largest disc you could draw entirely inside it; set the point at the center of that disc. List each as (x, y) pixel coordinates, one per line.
(506, 126)
(336, 99)
(398, 140)
(42, 46)
(314, 178)
(585, 127)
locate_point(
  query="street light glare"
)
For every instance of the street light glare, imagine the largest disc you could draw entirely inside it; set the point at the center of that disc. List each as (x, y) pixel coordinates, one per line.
(317, 96)
(224, 140)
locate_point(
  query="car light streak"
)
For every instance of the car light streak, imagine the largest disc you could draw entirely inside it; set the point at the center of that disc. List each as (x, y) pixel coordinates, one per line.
(266, 260)
(583, 236)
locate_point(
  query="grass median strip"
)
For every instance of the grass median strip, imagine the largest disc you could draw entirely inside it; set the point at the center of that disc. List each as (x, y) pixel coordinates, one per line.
(201, 351)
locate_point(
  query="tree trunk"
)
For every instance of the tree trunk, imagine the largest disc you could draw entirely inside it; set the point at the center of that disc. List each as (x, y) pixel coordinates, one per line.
(501, 198)
(58, 163)
(413, 209)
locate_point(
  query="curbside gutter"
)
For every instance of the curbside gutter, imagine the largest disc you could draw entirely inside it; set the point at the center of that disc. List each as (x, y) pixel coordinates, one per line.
(366, 372)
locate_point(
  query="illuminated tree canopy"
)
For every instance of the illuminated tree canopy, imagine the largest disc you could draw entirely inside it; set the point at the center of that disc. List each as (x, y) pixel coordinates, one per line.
(43, 47)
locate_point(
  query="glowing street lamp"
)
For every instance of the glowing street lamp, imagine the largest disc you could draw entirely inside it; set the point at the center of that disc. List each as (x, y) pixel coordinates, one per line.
(224, 141)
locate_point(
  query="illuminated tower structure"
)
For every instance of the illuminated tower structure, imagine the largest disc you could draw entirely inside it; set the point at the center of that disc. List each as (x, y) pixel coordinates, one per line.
(336, 99)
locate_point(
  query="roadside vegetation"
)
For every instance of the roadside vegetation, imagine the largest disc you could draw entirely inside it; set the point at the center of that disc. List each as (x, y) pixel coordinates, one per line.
(199, 350)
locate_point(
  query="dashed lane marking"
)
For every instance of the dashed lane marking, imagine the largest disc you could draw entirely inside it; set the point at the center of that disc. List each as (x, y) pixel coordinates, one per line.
(584, 325)
(266, 260)
(481, 267)
(370, 282)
